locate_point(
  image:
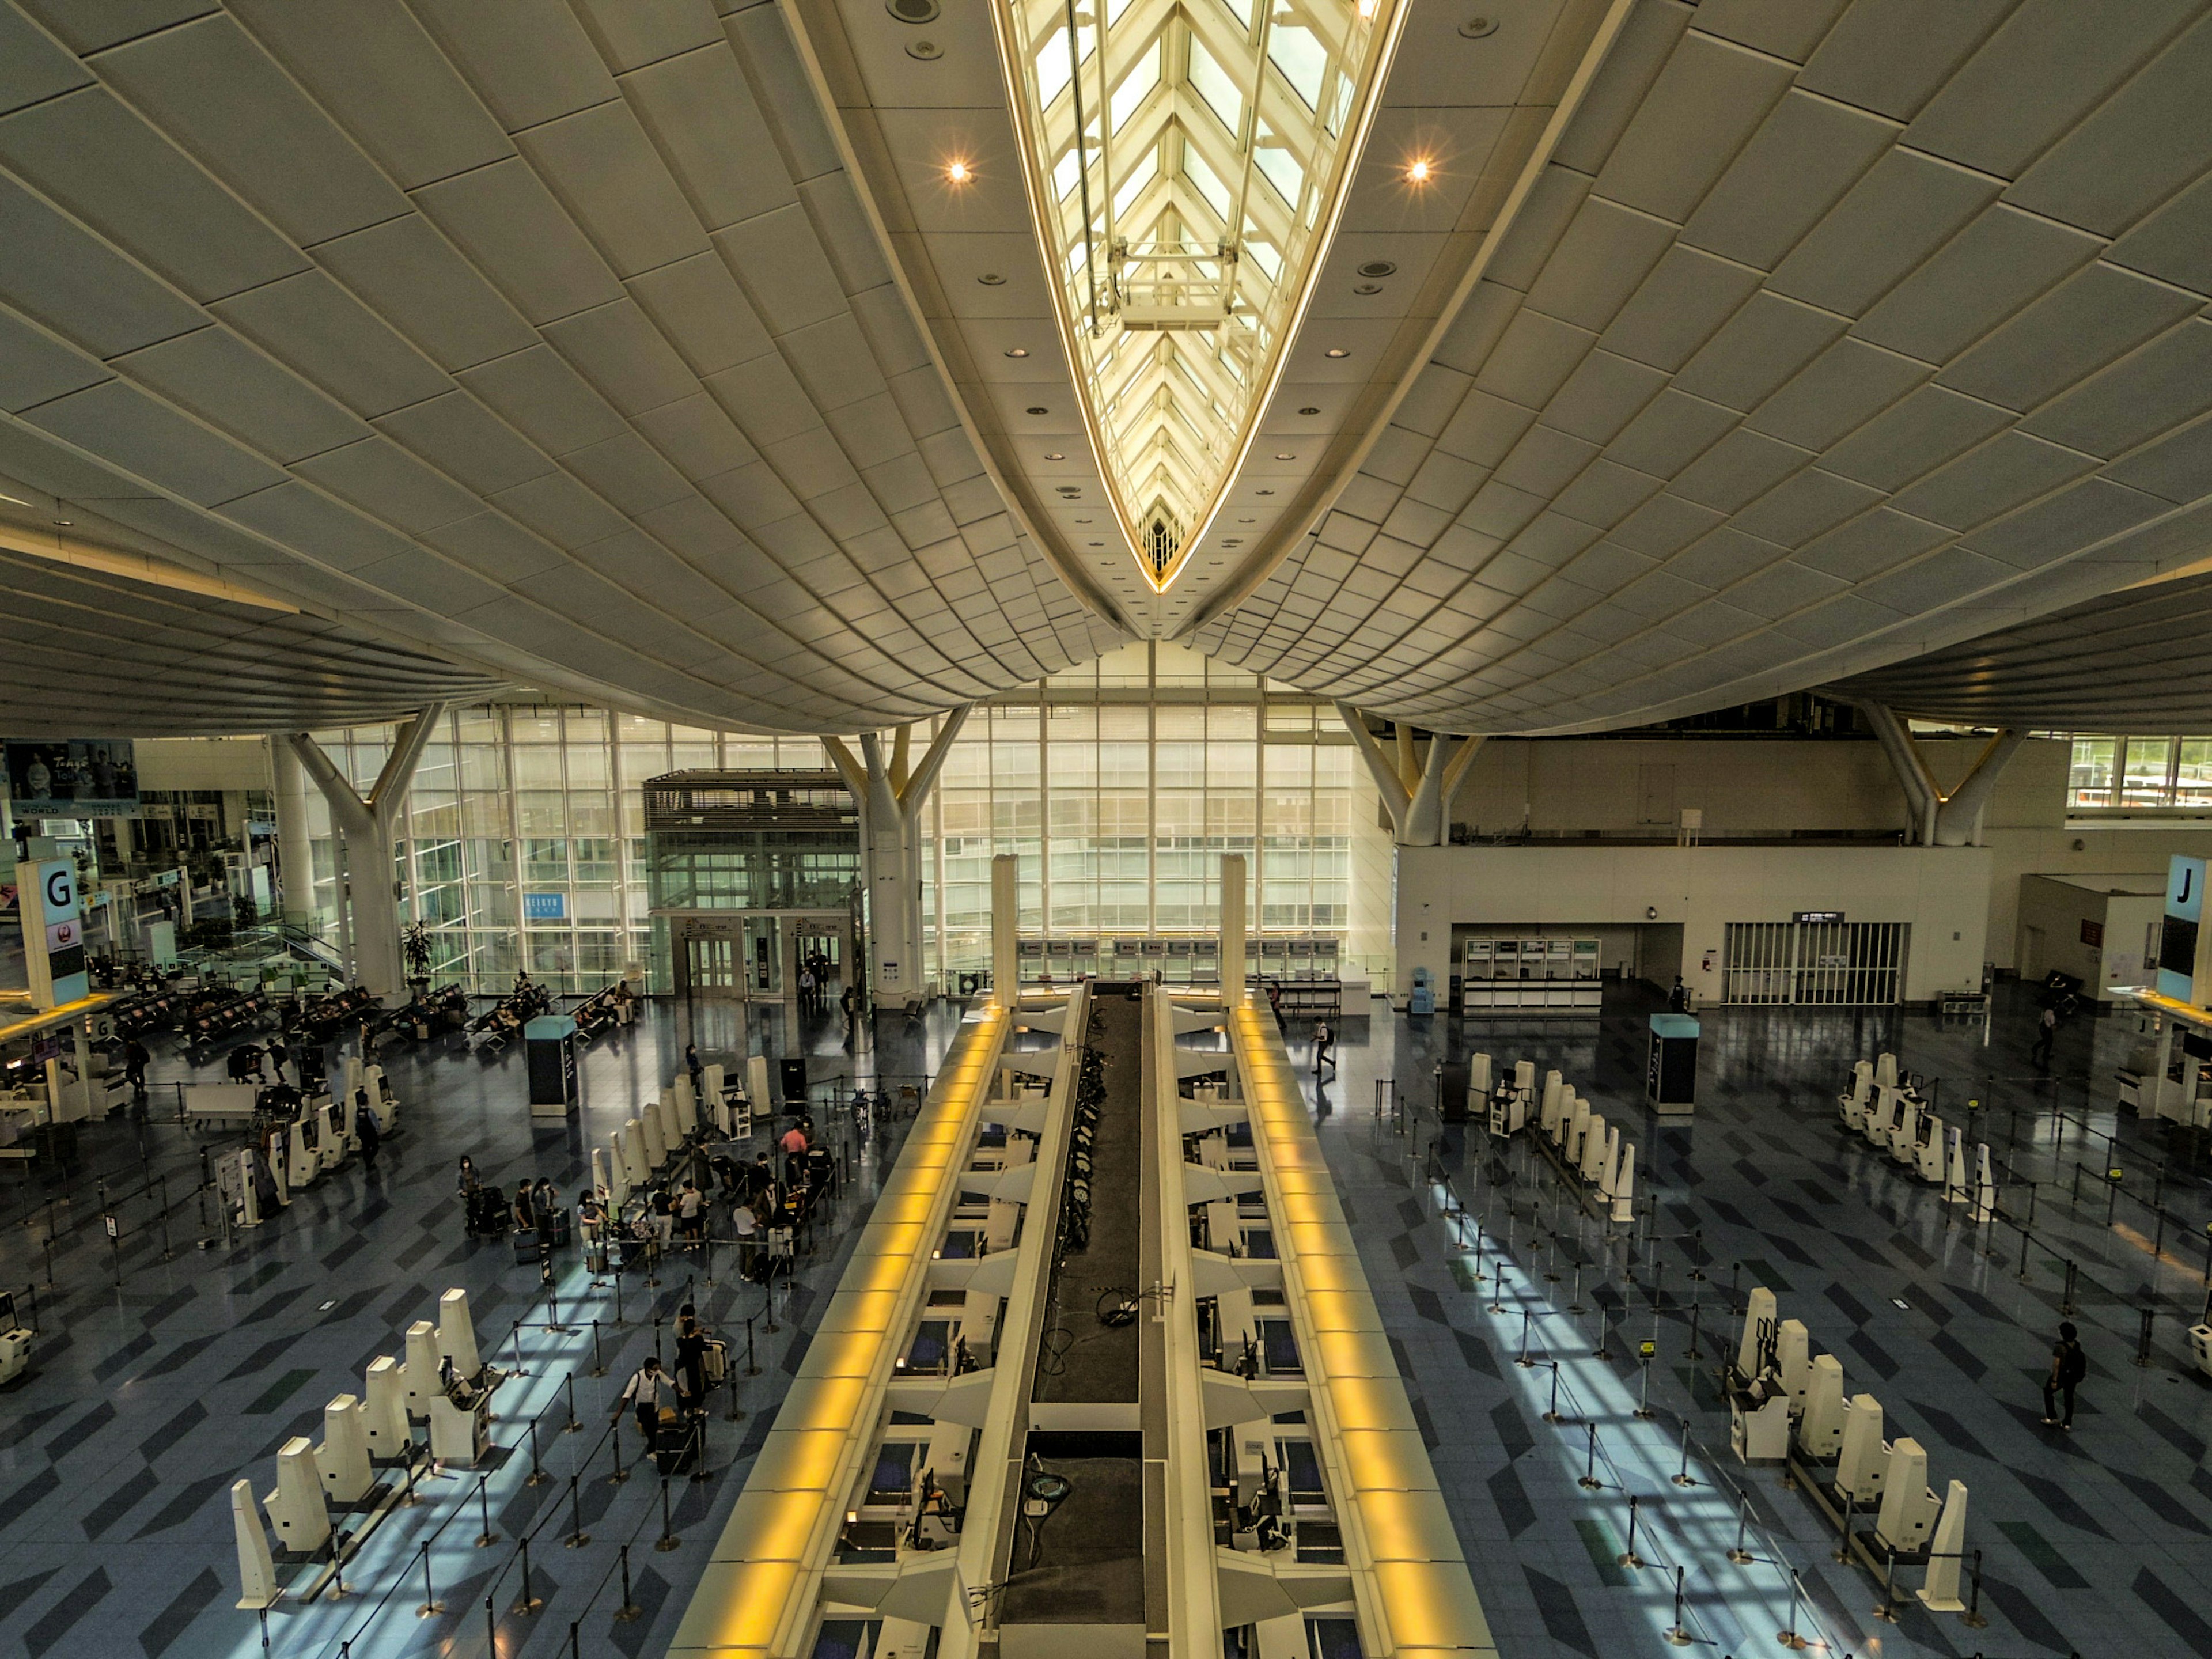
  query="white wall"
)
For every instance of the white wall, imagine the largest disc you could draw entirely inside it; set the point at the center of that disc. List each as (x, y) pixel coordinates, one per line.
(2077, 853)
(1943, 892)
(1638, 785)
(2059, 908)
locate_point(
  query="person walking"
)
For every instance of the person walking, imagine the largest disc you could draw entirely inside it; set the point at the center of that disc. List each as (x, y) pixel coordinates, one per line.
(806, 991)
(697, 1069)
(367, 1130)
(2068, 1365)
(690, 1364)
(135, 1058)
(1324, 1046)
(644, 1394)
(278, 1053)
(1678, 998)
(2046, 1033)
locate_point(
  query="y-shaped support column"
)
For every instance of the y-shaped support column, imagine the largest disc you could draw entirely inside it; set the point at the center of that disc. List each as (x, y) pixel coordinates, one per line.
(891, 798)
(1418, 797)
(367, 828)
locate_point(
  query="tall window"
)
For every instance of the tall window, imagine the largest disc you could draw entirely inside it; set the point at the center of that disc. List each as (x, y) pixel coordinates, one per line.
(524, 840)
(1120, 785)
(2141, 772)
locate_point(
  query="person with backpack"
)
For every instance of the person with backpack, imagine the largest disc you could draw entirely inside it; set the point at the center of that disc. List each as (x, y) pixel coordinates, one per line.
(2068, 1365)
(644, 1393)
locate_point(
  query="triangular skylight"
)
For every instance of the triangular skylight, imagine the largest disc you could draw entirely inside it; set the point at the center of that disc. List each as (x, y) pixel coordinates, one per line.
(1177, 320)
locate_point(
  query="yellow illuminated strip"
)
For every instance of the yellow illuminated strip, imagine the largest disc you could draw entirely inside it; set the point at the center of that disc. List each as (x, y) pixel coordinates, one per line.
(759, 1593)
(1411, 1580)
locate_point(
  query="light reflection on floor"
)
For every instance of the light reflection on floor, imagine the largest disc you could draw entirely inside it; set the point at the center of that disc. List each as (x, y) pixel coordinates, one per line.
(1726, 1606)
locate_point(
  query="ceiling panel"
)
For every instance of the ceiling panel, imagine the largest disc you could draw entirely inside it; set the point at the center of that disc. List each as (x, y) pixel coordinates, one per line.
(1867, 355)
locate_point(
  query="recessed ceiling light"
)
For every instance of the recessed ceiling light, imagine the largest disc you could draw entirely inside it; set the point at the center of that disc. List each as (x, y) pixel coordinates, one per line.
(1336, 351)
(63, 524)
(1378, 268)
(1475, 28)
(926, 52)
(1083, 521)
(1017, 351)
(957, 172)
(1284, 455)
(912, 11)
(1416, 171)
(1309, 409)
(1263, 492)
(1247, 521)
(991, 279)
(1053, 455)
(1363, 288)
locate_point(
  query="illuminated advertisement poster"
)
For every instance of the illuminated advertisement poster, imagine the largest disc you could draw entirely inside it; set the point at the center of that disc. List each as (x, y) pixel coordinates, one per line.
(71, 777)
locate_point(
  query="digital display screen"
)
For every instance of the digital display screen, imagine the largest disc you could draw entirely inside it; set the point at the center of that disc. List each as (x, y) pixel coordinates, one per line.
(72, 777)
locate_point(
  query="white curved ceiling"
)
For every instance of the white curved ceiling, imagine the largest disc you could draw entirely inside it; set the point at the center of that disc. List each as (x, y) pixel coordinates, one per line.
(552, 338)
(1827, 334)
(2139, 661)
(638, 350)
(91, 648)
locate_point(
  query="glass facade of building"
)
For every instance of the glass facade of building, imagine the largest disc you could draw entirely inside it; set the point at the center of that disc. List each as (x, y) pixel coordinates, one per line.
(2118, 773)
(527, 823)
(1118, 784)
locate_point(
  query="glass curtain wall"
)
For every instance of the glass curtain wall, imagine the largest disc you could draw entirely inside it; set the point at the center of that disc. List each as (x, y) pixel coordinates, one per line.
(2123, 772)
(1120, 785)
(523, 843)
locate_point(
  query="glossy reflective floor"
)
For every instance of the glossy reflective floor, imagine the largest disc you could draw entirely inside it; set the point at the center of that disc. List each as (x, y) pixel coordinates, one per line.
(116, 1453)
(146, 1400)
(2097, 1542)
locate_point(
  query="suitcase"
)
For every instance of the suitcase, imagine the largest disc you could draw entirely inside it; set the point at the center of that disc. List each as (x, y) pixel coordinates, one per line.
(528, 1245)
(675, 1446)
(714, 1362)
(557, 1229)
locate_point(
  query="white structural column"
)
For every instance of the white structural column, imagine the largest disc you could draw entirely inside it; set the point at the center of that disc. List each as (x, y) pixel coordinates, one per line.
(1005, 913)
(365, 830)
(1233, 890)
(1938, 819)
(295, 853)
(891, 797)
(1416, 793)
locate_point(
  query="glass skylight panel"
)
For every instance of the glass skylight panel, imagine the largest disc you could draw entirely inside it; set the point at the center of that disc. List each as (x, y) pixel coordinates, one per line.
(1206, 182)
(1278, 166)
(1140, 80)
(1304, 61)
(1214, 86)
(1053, 68)
(1125, 191)
(1177, 316)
